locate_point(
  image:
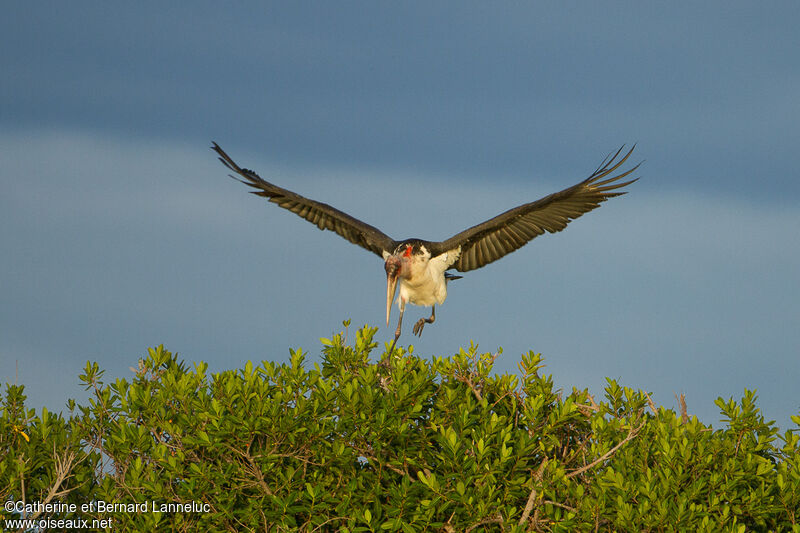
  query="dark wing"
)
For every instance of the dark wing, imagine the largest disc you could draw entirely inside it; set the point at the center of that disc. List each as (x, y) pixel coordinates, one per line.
(487, 242)
(323, 215)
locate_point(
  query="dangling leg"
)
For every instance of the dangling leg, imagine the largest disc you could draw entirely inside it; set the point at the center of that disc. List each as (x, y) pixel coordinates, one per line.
(422, 321)
(399, 323)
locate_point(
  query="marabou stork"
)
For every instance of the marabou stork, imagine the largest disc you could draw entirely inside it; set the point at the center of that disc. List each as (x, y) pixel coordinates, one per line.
(420, 267)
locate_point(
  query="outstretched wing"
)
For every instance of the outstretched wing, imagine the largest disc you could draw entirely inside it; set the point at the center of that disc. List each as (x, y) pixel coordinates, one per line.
(322, 215)
(509, 231)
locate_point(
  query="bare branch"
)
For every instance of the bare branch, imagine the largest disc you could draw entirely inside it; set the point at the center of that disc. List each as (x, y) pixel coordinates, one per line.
(537, 477)
(682, 405)
(253, 467)
(567, 507)
(631, 434)
(63, 471)
(468, 382)
(652, 404)
(328, 521)
(496, 520)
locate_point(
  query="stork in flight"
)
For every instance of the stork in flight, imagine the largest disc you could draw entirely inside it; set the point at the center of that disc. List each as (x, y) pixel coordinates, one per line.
(420, 267)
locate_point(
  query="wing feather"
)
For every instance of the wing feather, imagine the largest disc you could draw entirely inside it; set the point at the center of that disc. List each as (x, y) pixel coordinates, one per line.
(321, 215)
(509, 231)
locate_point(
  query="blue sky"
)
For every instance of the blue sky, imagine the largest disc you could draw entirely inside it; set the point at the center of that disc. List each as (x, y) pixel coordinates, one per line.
(119, 229)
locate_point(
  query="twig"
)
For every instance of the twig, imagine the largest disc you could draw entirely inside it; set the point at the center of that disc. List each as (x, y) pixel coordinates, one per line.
(63, 471)
(587, 410)
(328, 521)
(651, 404)
(631, 434)
(256, 470)
(468, 382)
(21, 461)
(682, 404)
(386, 464)
(567, 507)
(497, 520)
(537, 477)
(594, 403)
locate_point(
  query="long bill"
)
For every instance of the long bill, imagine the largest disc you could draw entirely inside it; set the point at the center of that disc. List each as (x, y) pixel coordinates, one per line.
(391, 288)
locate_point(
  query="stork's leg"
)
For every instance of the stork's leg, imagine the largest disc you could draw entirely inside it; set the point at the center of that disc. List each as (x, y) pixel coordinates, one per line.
(422, 321)
(397, 331)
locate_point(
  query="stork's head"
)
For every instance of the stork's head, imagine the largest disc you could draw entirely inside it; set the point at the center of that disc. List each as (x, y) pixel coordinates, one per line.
(396, 267)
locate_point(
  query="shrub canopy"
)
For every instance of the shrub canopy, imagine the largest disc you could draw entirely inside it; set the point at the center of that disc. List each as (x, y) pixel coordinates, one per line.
(405, 444)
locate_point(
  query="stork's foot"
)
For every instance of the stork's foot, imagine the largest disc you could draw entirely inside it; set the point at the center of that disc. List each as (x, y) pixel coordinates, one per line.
(422, 321)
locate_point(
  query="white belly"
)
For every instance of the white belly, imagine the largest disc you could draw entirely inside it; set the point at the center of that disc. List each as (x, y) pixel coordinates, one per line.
(423, 290)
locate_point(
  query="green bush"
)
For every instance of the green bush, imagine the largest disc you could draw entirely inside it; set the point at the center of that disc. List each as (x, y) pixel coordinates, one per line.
(405, 444)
